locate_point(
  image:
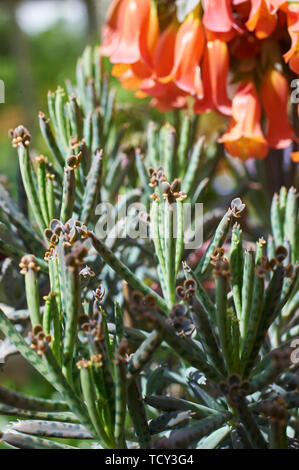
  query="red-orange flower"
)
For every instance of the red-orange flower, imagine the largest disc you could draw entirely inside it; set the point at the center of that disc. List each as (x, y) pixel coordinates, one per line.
(121, 34)
(215, 74)
(218, 20)
(245, 138)
(188, 52)
(295, 157)
(292, 56)
(275, 97)
(262, 18)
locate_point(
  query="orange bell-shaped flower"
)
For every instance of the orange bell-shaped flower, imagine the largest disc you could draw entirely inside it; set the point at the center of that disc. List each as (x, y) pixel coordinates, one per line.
(214, 75)
(188, 52)
(262, 18)
(245, 138)
(121, 33)
(275, 97)
(219, 21)
(292, 56)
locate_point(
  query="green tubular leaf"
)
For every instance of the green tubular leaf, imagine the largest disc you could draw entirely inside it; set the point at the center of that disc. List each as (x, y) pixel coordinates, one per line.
(192, 168)
(179, 235)
(276, 223)
(62, 430)
(41, 182)
(120, 403)
(108, 115)
(184, 143)
(270, 309)
(87, 61)
(185, 348)
(252, 430)
(61, 122)
(270, 247)
(119, 322)
(105, 91)
(75, 118)
(256, 312)
(265, 377)
(43, 415)
(169, 154)
(92, 187)
(138, 415)
(221, 320)
(24, 441)
(96, 131)
(185, 437)
(202, 295)
(50, 196)
(47, 315)
(32, 296)
(80, 77)
(152, 145)
(142, 172)
(90, 96)
(236, 265)
(16, 399)
(214, 439)
(170, 251)
(27, 177)
(278, 436)
(90, 400)
(68, 194)
(155, 235)
(260, 251)
(73, 305)
(51, 107)
(143, 354)
(291, 223)
(199, 191)
(206, 335)
(28, 235)
(97, 65)
(87, 130)
(168, 421)
(62, 386)
(121, 269)
(247, 291)
(165, 403)
(216, 242)
(57, 159)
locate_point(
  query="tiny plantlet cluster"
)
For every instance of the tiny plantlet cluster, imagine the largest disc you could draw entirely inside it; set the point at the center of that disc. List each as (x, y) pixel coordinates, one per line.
(147, 344)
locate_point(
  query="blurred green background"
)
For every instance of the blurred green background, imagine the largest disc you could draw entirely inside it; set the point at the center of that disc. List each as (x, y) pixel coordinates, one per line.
(39, 43)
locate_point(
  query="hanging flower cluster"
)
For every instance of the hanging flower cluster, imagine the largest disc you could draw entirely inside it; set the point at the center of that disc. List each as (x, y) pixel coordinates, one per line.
(236, 57)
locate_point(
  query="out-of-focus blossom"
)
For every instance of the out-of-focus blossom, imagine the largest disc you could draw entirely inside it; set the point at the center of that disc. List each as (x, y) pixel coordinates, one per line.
(171, 55)
(189, 48)
(275, 97)
(121, 34)
(245, 138)
(295, 157)
(215, 75)
(292, 56)
(219, 21)
(262, 18)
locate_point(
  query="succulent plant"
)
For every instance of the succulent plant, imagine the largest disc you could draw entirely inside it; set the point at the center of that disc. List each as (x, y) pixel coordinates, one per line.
(147, 344)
